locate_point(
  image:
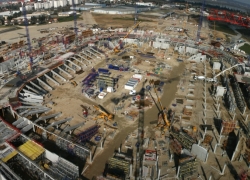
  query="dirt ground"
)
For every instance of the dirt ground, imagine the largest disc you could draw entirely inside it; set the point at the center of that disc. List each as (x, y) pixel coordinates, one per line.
(124, 21)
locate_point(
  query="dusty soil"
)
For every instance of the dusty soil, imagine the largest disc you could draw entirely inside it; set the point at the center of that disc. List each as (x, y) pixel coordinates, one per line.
(106, 20)
(150, 115)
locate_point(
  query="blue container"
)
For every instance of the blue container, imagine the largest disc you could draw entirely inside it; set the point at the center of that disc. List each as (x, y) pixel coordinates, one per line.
(103, 71)
(101, 89)
(110, 66)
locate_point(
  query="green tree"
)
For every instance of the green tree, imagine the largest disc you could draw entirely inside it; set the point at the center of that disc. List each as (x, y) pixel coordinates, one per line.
(33, 20)
(10, 18)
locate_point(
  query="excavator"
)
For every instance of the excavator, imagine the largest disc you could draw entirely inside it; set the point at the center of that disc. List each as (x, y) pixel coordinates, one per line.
(104, 114)
(116, 50)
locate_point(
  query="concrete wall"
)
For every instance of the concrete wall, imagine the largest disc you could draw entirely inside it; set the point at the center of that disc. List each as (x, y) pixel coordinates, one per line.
(197, 58)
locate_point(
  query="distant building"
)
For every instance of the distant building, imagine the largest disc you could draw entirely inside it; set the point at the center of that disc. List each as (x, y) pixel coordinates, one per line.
(145, 4)
(65, 14)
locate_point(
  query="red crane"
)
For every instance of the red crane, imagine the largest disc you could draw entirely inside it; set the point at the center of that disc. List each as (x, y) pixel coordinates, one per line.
(229, 17)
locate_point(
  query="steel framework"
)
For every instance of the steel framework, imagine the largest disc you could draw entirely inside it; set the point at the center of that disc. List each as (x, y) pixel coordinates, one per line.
(229, 17)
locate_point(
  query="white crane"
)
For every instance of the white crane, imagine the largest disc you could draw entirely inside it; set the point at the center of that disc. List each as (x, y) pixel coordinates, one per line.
(214, 79)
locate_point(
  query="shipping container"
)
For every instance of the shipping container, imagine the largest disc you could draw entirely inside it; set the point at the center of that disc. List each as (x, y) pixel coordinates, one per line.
(103, 71)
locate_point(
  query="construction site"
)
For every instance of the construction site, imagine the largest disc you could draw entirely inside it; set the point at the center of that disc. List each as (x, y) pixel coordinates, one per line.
(166, 98)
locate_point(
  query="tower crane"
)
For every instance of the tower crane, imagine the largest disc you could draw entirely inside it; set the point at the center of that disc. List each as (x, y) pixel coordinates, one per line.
(116, 50)
(26, 23)
(75, 20)
(135, 13)
(200, 22)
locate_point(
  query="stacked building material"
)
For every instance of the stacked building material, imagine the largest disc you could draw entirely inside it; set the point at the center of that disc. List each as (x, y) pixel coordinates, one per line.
(184, 139)
(238, 94)
(227, 127)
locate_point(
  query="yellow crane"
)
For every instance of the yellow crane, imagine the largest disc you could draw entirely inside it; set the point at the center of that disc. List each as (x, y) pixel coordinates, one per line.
(116, 50)
(162, 115)
(103, 113)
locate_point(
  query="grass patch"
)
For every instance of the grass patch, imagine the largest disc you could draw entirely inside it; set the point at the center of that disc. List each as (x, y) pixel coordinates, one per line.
(223, 28)
(245, 33)
(246, 48)
(68, 18)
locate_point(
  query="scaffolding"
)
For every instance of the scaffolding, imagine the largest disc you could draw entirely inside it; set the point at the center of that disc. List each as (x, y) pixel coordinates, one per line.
(105, 81)
(31, 150)
(64, 169)
(187, 169)
(72, 148)
(114, 163)
(184, 139)
(88, 134)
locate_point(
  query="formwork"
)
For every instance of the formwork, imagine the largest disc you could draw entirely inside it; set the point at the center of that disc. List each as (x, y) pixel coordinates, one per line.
(227, 127)
(31, 150)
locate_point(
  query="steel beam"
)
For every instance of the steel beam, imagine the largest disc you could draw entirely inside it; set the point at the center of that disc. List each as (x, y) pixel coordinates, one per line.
(71, 128)
(86, 54)
(34, 90)
(22, 124)
(74, 64)
(57, 123)
(38, 87)
(37, 112)
(29, 107)
(27, 128)
(58, 75)
(69, 68)
(45, 84)
(54, 81)
(27, 91)
(96, 51)
(69, 75)
(18, 121)
(83, 58)
(32, 104)
(47, 117)
(92, 53)
(79, 61)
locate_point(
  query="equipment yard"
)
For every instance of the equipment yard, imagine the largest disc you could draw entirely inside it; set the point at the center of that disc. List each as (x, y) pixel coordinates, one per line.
(144, 99)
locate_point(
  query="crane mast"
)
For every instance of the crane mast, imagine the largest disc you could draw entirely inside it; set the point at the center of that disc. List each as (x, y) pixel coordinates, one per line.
(26, 23)
(200, 22)
(132, 28)
(75, 19)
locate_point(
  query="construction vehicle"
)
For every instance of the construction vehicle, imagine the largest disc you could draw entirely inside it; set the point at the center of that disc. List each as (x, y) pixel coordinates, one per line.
(73, 83)
(116, 50)
(84, 111)
(104, 114)
(162, 115)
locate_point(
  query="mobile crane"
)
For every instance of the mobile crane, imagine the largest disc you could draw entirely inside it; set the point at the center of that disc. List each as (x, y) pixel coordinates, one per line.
(162, 115)
(103, 114)
(116, 50)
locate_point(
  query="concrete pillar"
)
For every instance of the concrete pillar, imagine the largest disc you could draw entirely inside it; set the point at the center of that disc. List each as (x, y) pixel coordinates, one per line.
(223, 170)
(178, 171)
(207, 157)
(90, 157)
(205, 133)
(130, 170)
(215, 147)
(159, 174)
(246, 117)
(171, 158)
